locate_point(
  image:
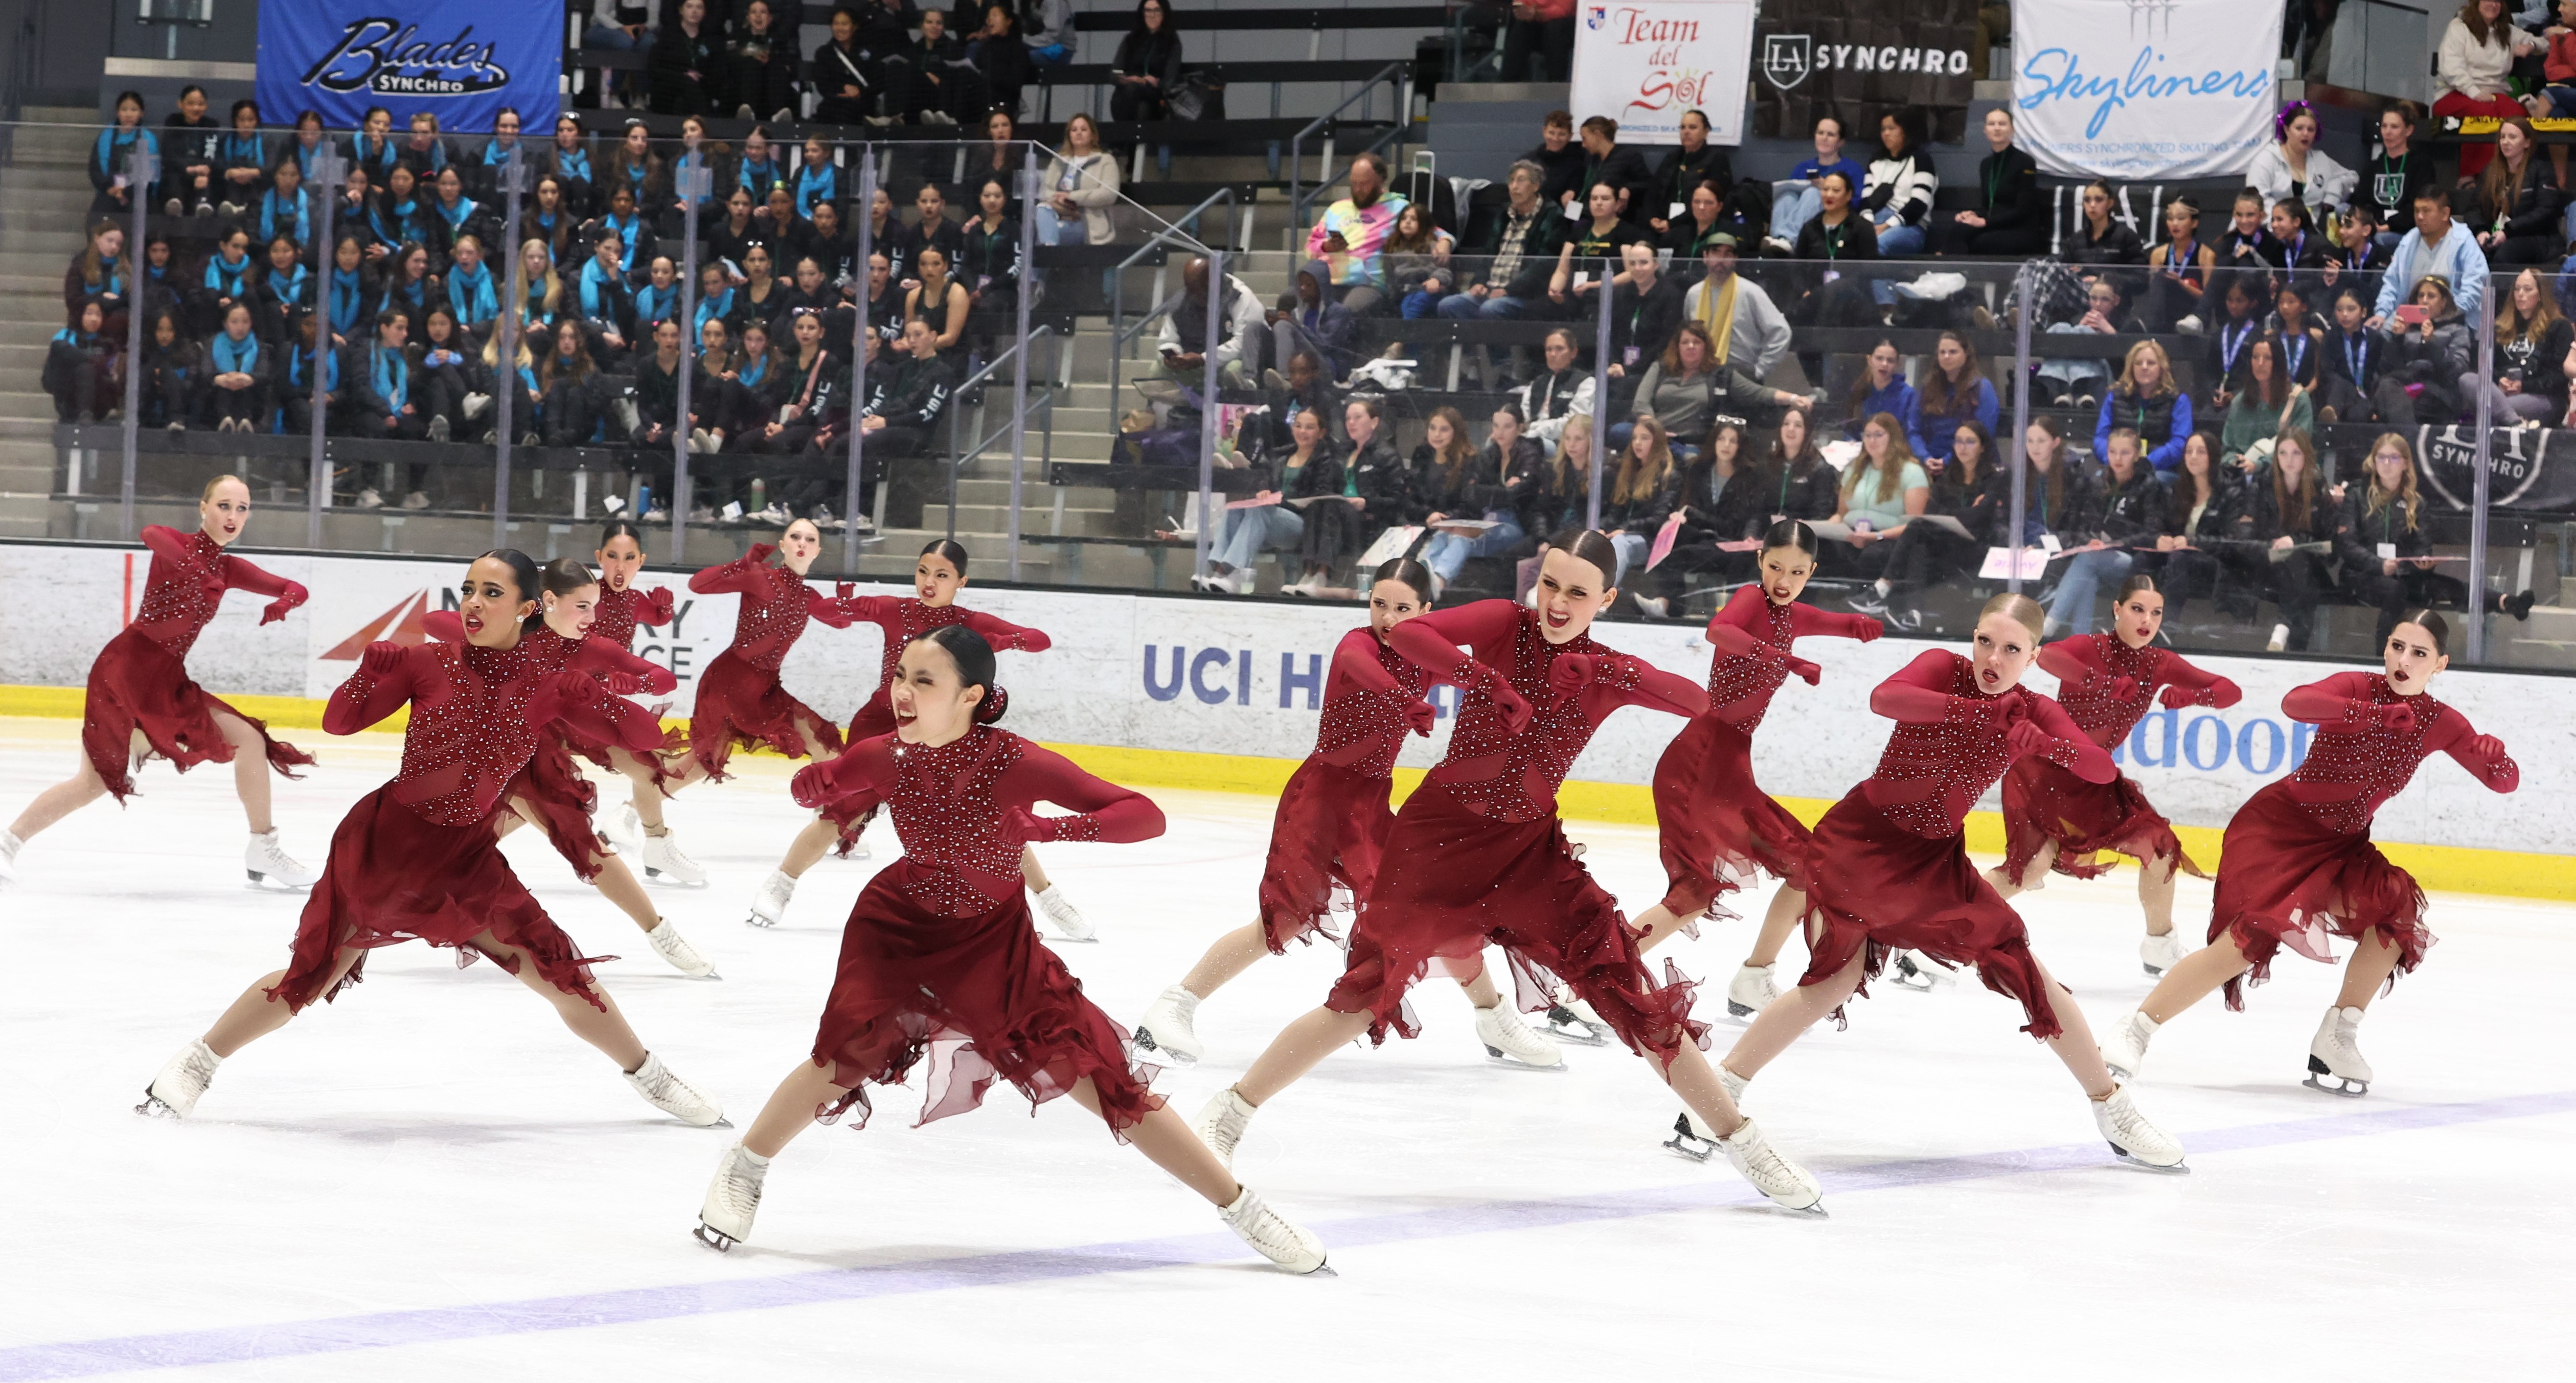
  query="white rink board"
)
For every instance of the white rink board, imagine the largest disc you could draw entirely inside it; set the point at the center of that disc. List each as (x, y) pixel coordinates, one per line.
(1200, 675)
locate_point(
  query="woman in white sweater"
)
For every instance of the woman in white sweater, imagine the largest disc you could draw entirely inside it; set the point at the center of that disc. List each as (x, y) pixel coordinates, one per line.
(2469, 70)
(2294, 167)
(1080, 188)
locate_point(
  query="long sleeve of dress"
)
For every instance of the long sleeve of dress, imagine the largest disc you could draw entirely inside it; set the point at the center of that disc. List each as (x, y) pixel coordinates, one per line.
(1104, 810)
(1730, 630)
(1355, 662)
(1442, 643)
(1006, 637)
(740, 574)
(2481, 755)
(369, 695)
(2204, 687)
(829, 610)
(2338, 705)
(578, 700)
(2073, 660)
(883, 611)
(1658, 690)
(600, 658)
(1807, 621)
(2069, 748)
(285, 595)
(865, 769)
(1915, 694)
(168, 544)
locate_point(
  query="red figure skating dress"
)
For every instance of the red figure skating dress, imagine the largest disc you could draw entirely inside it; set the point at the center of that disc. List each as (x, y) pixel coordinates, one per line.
(904, 619)
(740, 702)
(2105, 686)
(1331, 827)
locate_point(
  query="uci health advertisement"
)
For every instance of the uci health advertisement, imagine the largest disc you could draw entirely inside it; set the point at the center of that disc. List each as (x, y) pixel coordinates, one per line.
(2143, 89)
(460, 60)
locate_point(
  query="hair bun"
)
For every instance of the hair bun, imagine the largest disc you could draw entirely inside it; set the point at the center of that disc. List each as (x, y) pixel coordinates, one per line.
(996, 701)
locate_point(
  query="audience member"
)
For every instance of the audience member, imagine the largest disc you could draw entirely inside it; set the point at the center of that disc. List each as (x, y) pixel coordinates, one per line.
(2293, 168)
(2472, 68)
(2010, 218)
(1147, 65)
(1681, 171)
(1744, 326)
(1797, 200)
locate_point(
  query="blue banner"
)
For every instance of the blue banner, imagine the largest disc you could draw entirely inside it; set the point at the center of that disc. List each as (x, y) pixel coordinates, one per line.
(460, 60)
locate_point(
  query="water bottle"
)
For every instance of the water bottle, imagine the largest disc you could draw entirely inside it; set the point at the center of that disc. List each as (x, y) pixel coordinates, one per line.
(759, 494)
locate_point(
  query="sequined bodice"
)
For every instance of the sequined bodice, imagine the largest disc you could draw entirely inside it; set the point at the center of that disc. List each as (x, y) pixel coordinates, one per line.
(919, 618)
(620, 613)
(464, 745)
(1929, 775)
(1497, 773)
(2094, 703)
(181, 597)
(1364, 727)
(1743, 686)
(2380, 761)
(946, 814)
(769, 622)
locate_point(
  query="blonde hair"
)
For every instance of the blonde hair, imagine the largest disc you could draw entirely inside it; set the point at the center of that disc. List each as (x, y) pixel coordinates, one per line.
(2128, 384)
(2020, 609)
(1580, 422)
(208, 495)
(1890, 472)
(552, 297)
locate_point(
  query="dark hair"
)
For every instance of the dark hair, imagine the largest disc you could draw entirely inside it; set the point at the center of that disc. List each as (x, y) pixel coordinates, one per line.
(2403, 110)
(240, 106)
(1406, 570)
(2432, 624)
(974, 660)
(2140, 582)
(1986, 459)
(1790, 533)
(525, 577)
(615, 529)
(950, 549)
(1590, 545)
(563, 576)
(1860, 383)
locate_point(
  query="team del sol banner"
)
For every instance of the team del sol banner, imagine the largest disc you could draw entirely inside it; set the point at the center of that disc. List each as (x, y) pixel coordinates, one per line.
(460, 60)
(1856, 59)
(1644, 62)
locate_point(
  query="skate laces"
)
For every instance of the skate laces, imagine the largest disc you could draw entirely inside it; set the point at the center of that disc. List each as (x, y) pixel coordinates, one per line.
(1263, 1227)
(739, 1187)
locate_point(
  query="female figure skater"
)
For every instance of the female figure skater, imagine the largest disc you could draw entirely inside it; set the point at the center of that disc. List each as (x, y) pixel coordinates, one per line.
(1900, 876)
(1719, 827)
(2056, 820)
(418, 859)
(2298, 866)
(936, 578)
(740, 702)
(1478, 855)
(549, 793)
(940, 957)
(142, 703)
(653, 778)
(1331, 827)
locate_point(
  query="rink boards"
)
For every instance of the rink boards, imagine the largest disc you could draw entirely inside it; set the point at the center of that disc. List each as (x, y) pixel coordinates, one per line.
(1202, 693)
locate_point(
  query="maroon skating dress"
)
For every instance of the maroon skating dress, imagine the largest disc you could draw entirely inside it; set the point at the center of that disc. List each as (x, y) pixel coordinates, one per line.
(1895, 874)
(1719, 827)
(418, 859)
(617, 616)
(940, 959)
(1478, 855)
(550, 789)
(1333, 819)
(2105, 686)
(903, 619)
(140, 681)
(740, 702)
(2298, 865)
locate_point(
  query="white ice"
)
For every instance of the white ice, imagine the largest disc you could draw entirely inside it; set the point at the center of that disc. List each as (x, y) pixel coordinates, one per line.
(435, 1143)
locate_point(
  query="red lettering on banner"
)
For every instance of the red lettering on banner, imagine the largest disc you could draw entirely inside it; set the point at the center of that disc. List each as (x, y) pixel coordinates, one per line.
(1635, 28)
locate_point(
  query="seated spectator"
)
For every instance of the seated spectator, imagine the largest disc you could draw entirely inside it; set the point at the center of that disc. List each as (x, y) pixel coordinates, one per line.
(285, 293)
(379, 375)
(1706, 215)
(1559, 159)
(2396, 174)
(1081, 187)
(1591, 252)
(696, 155)
(2129, 512)
(2557, 100)
(238, 371)
(762, 295)
(1350, 237)
(657, 388)
(1488, 485)
(905, 403)
(939, 301)
(108, 155)
(2222, 368)
(572, 399)
(1000, 59)
(2293, 168)
(482, 168)
(2268, 404)
(1182, 352)
(567, 163)
(2179, 272)
(688, 75)
(406, 286)
(784, 233)
(2101, 246)
(1147, 65)
(1308, 468)
(230, 277)
(295, 386)
(471, 294)
(454, 215)
(635, 165)
(537, 289)
(762, 66)
(2437, 247)
(2352, 366)
(308, 141)
(241, 166)
(1567, 500)
(401, 215)
(1954, 391)
(1417, 262)
(2297, 248)
(2291, 517)
(1317, 323)
(2359, 259)
(1512, 253)
(1796, 481)
(284, 209)
(2069, 382)
(1682, 171)
(344, 293)
(1541, 41)
(2526, 381)
(2386, 555)
(81, 367)
(1901, 184)
(842, 80)
(2472, 68)
(1744, 327)
(2519, 202)
(1721, 524)
(2201, 519)
(98, 276)
(422, 150)
(451, 381)
(191, 147)
(832, 247)
(1047, 28)
(1638, 495)
(551, 222)
(1378, 492)
(1837, 236)
(815, 417)
(1604, 160)
(1966, 487)
(373, 148)
(1882, 492)
(884, 304)
(945, 88)
(1689, 390)
(2059, 499)
(2011, 215)
(2431, 349)
(934, 229)
(2301, 331)
(2148, 402)
(603, 303)
(1881, 388)
(1645, 309)
(617, 26)
(811, 292)
(1797, 200)
(1560, 393)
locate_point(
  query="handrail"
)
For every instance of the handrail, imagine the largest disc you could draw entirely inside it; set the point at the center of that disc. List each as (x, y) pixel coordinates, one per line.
(22, 72)
(1019, 415)
(1119, 332)
(1393, 71)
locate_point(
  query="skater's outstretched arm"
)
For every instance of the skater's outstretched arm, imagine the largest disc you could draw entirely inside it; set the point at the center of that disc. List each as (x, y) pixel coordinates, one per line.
(2483, 756)
(1443, 642)
(1806, 620)
(2187, 685)
(1919, 692)
(1621, 680)
(1105, 811)
(864, 769)
(2341, 705)
(389, 675)
(578, 700)
(741, 574)
(165, 542)
(659, 607)
(834, 609)
(1730, 630)
(608, 662)
(2075, 660)
(284, 595)
(1356, 665)
(1006, 637)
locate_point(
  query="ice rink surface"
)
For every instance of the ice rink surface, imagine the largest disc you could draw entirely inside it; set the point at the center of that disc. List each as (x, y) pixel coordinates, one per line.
(430, 1179)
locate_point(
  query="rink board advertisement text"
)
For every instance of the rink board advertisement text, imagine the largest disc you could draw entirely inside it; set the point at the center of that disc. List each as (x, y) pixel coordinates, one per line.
(2135, 89)
(1195, 676)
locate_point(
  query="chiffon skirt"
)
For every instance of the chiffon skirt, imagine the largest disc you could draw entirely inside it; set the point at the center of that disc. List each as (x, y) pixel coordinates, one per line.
(1719, 827)
(138, 685)
(2043, 803)
(394, 876)
(1325, 843)
(562, 802)
(979, 998)
(1454, 880)
(1886, 889)
(2287, 878)
(742, 707)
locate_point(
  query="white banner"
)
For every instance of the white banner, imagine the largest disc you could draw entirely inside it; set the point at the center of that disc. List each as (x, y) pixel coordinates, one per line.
(1209, 676)
(1644, 62)
(2132, 89)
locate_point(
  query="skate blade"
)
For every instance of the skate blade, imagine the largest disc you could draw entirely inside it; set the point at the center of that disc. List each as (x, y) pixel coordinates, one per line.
(1143, 1037)
(713, 1238)
(756, 920)
(2348, 1089)
(2177, 1169)
(1565, 1027)
(2153, 972)
(262, 883)
(153, 1107)
(1496, 1056)
(1740, 1013)
(655, 876)
(1810, 1212)
(1061, 940)
(1689, 1144)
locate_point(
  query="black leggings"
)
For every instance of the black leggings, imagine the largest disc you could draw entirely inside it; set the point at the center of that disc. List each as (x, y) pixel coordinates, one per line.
(1551, 41)
(2411, 588)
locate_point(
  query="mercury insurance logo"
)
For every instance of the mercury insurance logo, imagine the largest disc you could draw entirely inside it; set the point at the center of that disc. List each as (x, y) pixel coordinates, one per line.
(1787, 59)
(389, 58)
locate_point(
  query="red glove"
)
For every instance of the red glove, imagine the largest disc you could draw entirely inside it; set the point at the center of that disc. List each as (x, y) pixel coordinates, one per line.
(625, 683)
(1515, 708)
(812, 787)
(844, 590)
(1571, 673)
(1421, 715)
(382, 658)
(758, 553)
(1027, 641)
(2222, 694)
(2005, 712)
(1029, 826)
(1806, 671)
(2124, 688)
(658, 608)
(2399, 717)
(2026, 738)
(1867, 629)
(212, 583)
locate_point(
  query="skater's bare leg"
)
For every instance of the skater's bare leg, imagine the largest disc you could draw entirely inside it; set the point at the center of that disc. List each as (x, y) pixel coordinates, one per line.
(807, 1091)
(2032, 874)
(2193, 977)
(1037, 877)
(62, 799)
(643, 786)
(2374, 958)
(1787, 906)
(2074, 1042)
(250, 770)
(1165, 1138)
(1298, 1048)
(2156, 893)
(255, 1015)
(1692, 1078)
(602, 1027)
(1232, 954)
(1480, 989)
(815, 841)
(1786, 1018)
(618, 884)
(1655, 924)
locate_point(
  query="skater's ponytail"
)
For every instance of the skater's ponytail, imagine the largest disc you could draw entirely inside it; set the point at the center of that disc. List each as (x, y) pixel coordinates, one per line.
(1407, 572)
(529, 581)
(974, 660)
(2434, 625)
(949, 550)
(1790, 533)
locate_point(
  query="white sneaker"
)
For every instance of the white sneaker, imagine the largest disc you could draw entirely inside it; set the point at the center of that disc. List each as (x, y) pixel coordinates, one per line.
(10, 845)
(733, 1198)
(664, 862)
(624, 829)
(2336, 1055)
(1783, 1182)
(674, 1096)
(1653, 606)
(1271, 1235)
(173, 1093)
(2188, 326)
(476, 405)
(672, 947)
(1509, 1041)
(770, 903)
(1751, 991)
(1167, 1027)
(271, 867)
(775, 514)
(2280, 639)
(2124, 1048)
(1222, 1122)
(1060, 911)
(415, 500)
(2132, 1137)
(2160, 953)
(369, 499)
(701, 441)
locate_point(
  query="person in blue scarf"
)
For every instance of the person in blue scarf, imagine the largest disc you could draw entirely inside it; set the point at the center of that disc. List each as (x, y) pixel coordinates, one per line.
(80, 367)
(107, 157)
(283, 208)
(97, 275)
(452, 385)
(407, 287)
(382, 406)
(470, 292)
(173, 367)
(635, 240)
(229, 278)
(819, 180)
(498, 150)
(424, 153)
(607, 306)
(242, 161)
(237, 374)
(285, 292)
(567, 160)
(715, 299)
(372, 147)
(452, 213)
(295, 380)
(403, 216)
(693, 155)
(357, 214)
(308, 142)
(759, 169)
(348, 290)
(659, 299)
